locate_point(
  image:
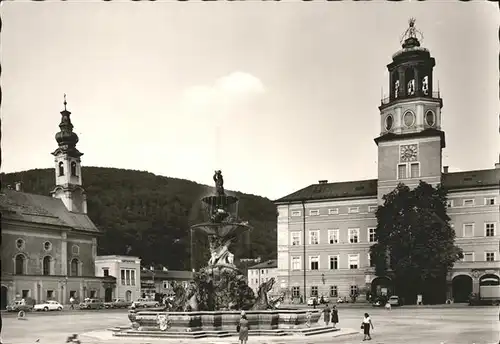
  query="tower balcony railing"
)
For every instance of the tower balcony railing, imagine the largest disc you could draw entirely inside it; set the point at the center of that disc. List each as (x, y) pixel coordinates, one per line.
(433, 95)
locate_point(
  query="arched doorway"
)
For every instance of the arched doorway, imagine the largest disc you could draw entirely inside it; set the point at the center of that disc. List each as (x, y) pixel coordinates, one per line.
(108, 294)
(4, 300)
(128, 296)
(461, 288)
(382, 286)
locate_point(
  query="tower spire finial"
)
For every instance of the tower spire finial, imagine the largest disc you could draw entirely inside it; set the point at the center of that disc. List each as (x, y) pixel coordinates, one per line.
(411, 36)
(65, 102)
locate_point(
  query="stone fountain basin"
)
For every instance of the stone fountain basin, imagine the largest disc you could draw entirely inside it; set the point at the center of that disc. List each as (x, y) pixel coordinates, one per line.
(226, 320)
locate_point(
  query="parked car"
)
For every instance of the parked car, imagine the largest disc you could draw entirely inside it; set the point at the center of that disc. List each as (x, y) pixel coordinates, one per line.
(16, 306)
(49, 305)
(91, 304)
(379, 301)
(324, 299)
(145, 303)
(117, 303)
(395, 301)
(343, 300)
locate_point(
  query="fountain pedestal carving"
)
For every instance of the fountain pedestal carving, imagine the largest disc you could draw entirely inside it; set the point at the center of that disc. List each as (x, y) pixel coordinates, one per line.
(211, 304)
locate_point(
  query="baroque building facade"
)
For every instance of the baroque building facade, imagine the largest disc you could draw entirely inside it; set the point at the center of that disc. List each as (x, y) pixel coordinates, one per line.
(325, 230)
(49, 243)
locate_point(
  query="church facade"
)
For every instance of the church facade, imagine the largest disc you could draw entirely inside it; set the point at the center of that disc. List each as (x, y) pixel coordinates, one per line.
(49, 244)
(325, 230)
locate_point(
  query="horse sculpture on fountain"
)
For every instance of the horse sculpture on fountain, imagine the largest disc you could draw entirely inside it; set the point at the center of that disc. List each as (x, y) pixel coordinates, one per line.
(262, 301)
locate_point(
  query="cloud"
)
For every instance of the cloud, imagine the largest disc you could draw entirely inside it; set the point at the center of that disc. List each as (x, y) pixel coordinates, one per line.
(227, 95)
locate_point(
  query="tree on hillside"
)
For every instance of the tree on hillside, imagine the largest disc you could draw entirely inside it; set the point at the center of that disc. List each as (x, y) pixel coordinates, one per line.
(149, 216)
(415, 242)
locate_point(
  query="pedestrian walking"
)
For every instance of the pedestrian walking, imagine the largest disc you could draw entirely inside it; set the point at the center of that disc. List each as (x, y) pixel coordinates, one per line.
(242, 328)
(335, 316)
(315, 302)
(326, 314)
(71, 303)
(365, 325)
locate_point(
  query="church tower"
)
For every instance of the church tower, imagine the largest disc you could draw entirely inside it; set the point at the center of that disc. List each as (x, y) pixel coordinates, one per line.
(68, 167)
(411, 141)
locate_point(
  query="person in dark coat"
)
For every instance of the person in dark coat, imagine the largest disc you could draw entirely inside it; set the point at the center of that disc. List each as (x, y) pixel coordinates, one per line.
(335, 316)
(243, 328)
(326, 314)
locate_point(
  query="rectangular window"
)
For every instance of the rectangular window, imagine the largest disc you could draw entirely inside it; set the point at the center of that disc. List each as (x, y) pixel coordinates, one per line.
(72, 293)
(313, 212)
(333, 211)
(353, 261)
(468, 257)
(296, 263)
(414, 170)
(314, 237)
(132, 277)
(353, 210)
(50, 294)
(333, 291)
(402, 171)
(295, 238)
(122, 276)
(353, 235)
(127, 277)
(105, 272)
(371, 262)
(354, 290)
(372, 208)
(334, 262)
(296, 213)
(449, 203)
(468, 202)
(296, 291)
(490, 256)
(489, 201)
(468, 230)
(166, 285)
(25, 294)
(314, 291)
(314, 263)
(489, 229)
(333, 236)
(371, 234)
(92, 294)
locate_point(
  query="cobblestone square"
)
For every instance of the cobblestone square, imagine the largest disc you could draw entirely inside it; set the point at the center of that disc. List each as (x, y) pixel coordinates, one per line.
(408, 325)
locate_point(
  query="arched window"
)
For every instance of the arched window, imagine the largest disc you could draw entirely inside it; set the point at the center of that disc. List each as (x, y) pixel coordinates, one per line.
(425, 85)
(20, 259)
(410, 81)
(46, 265)
(74, 267)
(61, 168)
(73, 169)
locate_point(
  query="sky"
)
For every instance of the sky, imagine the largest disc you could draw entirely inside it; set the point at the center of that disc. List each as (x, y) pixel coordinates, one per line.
(277, 95)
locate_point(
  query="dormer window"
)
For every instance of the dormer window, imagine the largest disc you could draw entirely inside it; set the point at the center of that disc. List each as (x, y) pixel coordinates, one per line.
(61, 168)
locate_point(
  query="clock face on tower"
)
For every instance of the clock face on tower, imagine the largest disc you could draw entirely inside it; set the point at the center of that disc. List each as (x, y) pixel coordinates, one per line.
(408, 153)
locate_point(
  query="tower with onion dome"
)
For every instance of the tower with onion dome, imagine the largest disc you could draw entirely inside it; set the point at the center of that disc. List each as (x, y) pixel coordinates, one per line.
(68, 171)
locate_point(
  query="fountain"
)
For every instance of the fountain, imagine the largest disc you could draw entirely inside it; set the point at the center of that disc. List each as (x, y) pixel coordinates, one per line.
(211, 304)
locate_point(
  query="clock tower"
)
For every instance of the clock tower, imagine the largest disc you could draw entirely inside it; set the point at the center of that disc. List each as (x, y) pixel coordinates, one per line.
(411, 141)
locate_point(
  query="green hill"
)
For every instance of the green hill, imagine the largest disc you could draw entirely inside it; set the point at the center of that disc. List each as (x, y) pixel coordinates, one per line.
(149, 216)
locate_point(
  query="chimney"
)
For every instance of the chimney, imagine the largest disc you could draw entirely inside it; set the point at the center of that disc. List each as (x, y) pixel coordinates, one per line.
(323, 181)
(445, 169)
(19, 186)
